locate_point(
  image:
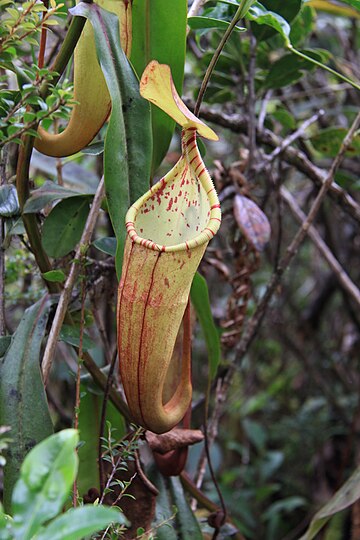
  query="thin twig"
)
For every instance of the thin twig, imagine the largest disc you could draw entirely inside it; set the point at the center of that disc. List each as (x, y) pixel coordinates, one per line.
(212, 433)
(203, 500)
(240, 12)
(103, 420)
(65, 296)
(224, 513)
(251, 101)
(262, 113)
(79, 363)
(239, 124)
(343, 278)
(293, 248)
(291, 138)
(196, 7)
(3, 161)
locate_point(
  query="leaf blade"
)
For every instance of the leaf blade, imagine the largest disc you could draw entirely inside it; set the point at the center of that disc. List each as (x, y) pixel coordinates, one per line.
(47, 475)
(77, 523)
(128, 143)
(23, 404)
(200, 300)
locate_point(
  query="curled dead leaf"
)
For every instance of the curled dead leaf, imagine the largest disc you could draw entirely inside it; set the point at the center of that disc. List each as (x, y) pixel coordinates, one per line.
(252, 222)
(174, 439)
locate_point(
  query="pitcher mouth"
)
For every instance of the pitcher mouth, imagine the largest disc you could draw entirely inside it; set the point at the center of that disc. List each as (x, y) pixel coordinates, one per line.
(193, 217)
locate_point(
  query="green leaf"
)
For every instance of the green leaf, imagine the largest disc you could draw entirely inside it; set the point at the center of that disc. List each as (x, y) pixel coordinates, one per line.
(290, 68)
(57, 276)
(79, 522)
(163, 510)
(274, 16)
(154, 18)
(200, 299)
(94, 149)
(47, 476)
(106, 245)
(189, 527)
(64, 226)
(48, 193)
(262, 16)
(71, 335)
(4, 344)
(128, 146)
(5, 526)
(23, 404)
(328, 142)
(343, 498)
(353, 3)
(200, 23)
(89, 429)
(9, 204)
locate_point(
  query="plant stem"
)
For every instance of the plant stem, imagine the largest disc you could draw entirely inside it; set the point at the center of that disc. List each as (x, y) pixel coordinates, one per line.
(103, 420)
(3, 161)
(324, 66)
(79, 363)
(240, 12)
(67, 48)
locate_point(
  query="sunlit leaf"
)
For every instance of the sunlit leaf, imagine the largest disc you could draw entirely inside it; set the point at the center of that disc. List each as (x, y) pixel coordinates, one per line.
(78, 523)
(47, 475)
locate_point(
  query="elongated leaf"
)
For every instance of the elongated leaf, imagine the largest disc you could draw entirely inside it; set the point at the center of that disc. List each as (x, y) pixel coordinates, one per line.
(337, 9)
(200, 23)
(47, 475)
(200, 299)
(23, 404)
(160, 35)
(49, 193)
(187, 522)
(353, 3)
(77, 523)
(164, 511)
(9, 204)
(128, 145)
(343, 498)
(64, 225)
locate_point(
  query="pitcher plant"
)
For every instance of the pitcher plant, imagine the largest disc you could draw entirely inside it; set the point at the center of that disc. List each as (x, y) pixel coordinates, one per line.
(168, 230)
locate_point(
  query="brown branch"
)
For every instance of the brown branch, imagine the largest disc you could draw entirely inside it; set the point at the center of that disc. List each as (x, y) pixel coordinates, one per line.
(293, 156)
(343, 278)
(65, 296)
(293, 248)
